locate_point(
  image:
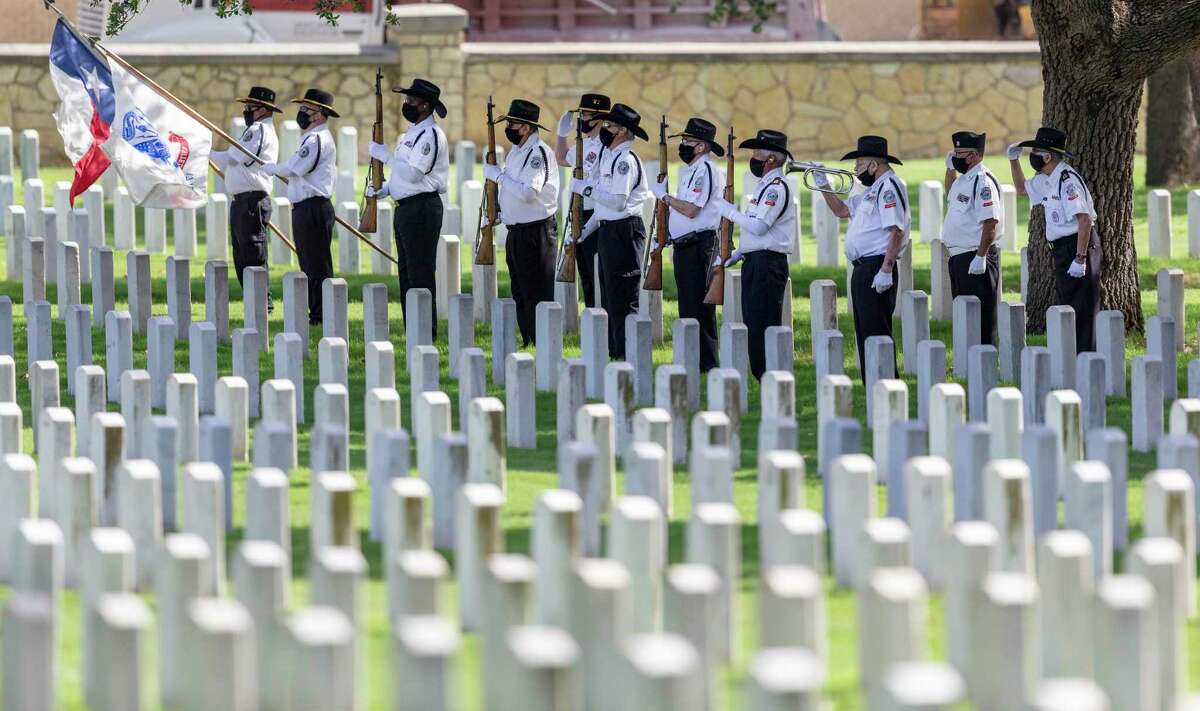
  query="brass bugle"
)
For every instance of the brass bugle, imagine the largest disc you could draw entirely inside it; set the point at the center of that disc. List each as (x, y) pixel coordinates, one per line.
(840, 181)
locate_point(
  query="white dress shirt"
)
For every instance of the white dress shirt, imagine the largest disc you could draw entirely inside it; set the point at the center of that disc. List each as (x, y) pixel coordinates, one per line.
(1064, 197)
(242, 173)
(619, 187)
(528, 183)
(311, 169)
(974, 199)
(593, 150)
(770, 221)
(420, 162)
(873, 213)
(698, 182)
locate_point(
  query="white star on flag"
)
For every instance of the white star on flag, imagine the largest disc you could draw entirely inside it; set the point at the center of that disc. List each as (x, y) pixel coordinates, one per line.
(94, 84)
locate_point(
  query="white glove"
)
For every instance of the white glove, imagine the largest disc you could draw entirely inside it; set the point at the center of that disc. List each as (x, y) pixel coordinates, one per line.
(734, 258)
(821, 180)
(725, 208)
(578, 186)
(659, 189)
(564, 123)
(588, 228)
(372, 193)
(568, 239)
(950, 160)
(1014, 152)
(272, 168)
(491, 172)
(377, 149)
(1077, 269)
(882, 281)
(978, 265)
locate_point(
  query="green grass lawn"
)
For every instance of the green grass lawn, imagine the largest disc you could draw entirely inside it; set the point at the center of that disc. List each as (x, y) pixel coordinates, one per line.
(532, 471)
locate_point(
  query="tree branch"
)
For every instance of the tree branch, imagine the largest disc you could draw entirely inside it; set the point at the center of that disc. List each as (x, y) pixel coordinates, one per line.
(1151, 34)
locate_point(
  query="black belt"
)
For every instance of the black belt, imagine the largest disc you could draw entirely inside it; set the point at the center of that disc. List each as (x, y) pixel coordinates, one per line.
(691, 237)
(314, 197)
(527, 225)
(863, 260)
(401, 201)
(602, 223)
(254, 195)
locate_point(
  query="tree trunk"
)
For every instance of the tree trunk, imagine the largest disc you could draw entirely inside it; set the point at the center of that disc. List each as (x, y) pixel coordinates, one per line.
(1172, 131)
(1099, 112)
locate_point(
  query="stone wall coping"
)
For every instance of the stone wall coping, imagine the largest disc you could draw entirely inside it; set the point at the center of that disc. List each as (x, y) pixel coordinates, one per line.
(296, 53)
(434, 17)
(912, 51)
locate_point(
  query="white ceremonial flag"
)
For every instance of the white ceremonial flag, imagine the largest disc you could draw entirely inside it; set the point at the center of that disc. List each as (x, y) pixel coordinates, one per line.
(160, 152)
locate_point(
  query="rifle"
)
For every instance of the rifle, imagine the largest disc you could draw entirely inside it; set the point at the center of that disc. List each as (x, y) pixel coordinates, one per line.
(652, 280)
(566, 254)
(485, 249)
(716, 272)
(370, 213)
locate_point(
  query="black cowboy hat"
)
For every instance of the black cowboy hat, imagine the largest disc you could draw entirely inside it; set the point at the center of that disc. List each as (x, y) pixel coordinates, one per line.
(872, 147)
(320, 99)
(969, 139)
(768, 139)
(626, 117)
(1048, 139)
(261, 96)
(702, 130)
(523, 111)
(427, 91)
(596, 103)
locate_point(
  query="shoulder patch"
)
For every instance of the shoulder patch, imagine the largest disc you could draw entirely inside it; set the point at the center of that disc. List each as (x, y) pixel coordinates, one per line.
(425, 149)
(1072, 191)
(590, 158)
(623, 167)
(986, 192)
(535, 162)
(962, 197)
(304, 152)
(771, 197)
(889, 198)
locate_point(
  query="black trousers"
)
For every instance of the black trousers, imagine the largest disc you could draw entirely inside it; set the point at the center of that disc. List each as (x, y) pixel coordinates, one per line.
(872, 310)
(1081, 294)
(692, 260)
(764, 280)
(585, 259)
(529, 251)
(249, 214)
(985, 286)
(620, 244)
(312, 224)
(417, 222)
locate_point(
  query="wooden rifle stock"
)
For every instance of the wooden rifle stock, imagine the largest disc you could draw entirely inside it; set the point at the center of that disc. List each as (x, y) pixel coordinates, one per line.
(654, 270)
(485, 248)
(716, 277)
(368, 221)
(566, 257)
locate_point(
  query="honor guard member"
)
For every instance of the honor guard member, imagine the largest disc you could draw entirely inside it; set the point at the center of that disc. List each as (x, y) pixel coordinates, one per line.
(590, 105)
(251, 207)
(879, 225)
(1070, 226)
(974, 216)
(692, 228)
(418, 172)
(528, 202)
(618, 190)
(767, 229)
(310, 172)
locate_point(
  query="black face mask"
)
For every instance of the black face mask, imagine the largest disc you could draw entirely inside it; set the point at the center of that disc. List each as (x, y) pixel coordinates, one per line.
(410, 113)
(1036, 162)
(606, 137)
(866, 178)
(686, 153)
(303, 120)
(757, 167)
(586, 125)
(960, 164)
(248, 116)
(513, 134)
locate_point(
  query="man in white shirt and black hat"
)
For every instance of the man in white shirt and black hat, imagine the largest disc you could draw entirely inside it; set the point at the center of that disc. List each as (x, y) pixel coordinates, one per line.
(1070, 226)
(692, 227)
(618, 190)
(250, 185)
(590, 106)
(767, 229)
(310, 173)
(974, 217)
(418, 172)
(528, 202)
(880, 223)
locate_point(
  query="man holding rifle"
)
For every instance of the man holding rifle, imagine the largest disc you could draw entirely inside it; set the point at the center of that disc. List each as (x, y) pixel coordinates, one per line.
(528, 201)
(418, 172)
(590, 106)
(310, 172)
(767, 229)
(692, 229)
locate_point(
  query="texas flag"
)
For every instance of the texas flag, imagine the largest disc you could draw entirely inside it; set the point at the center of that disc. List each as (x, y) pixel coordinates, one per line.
(88, 105)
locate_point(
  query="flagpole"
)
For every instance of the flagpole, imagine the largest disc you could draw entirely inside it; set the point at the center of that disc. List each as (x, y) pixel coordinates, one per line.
(270, 225)
(206, 123)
